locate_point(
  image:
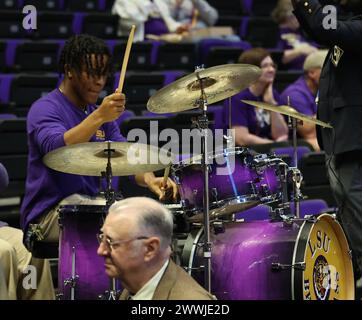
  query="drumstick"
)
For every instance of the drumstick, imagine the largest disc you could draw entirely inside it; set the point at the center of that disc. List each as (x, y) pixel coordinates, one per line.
(125, 59)
(165, 176)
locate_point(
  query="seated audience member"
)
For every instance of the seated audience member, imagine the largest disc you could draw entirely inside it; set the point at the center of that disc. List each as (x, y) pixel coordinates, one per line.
(254, 125)
(135, 12)
(163, 16)
(295, 46)
(185, 15)
(135, 243)
(14, 259)
(302, 94)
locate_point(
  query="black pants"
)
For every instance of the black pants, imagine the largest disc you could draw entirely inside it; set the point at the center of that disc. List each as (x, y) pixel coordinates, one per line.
(345, 175)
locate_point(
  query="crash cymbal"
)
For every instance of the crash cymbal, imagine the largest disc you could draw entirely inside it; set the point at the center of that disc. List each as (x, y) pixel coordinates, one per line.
(288, 111)
(219, 83)
(226, 208)
(90, 158)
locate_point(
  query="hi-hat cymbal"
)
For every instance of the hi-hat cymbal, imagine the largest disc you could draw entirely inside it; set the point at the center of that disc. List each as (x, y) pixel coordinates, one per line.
(90, 158)
(219, 83)
(288, 111)
(226, 208)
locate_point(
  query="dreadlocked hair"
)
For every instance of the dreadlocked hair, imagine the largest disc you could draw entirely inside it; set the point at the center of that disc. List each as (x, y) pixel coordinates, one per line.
(77, 53)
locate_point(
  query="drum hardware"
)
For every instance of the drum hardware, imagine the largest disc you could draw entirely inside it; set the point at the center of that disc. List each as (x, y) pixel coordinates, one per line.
(297, 178)
(112, 294)
(275, 266)
(218, 227)
(72, 281)
(203, 127)
(214, 194)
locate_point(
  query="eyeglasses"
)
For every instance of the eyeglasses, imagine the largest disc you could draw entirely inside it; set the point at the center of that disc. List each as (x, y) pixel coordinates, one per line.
(112, 244)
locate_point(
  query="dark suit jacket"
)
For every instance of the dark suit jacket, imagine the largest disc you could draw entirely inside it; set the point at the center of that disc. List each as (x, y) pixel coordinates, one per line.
(176, 284)
(340, 89)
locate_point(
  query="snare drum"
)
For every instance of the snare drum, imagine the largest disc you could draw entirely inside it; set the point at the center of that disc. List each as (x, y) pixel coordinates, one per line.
(233, 175)
(79, 264)
(262, 260)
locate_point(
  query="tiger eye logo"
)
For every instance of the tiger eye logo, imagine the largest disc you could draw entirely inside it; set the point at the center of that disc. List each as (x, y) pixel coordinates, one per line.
(322, 278)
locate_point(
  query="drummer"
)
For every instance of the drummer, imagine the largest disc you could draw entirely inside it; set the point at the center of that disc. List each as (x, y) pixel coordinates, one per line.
(256, 126)
(68, 115)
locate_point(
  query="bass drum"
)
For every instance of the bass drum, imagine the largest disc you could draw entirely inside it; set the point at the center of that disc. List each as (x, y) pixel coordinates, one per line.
(307, 259)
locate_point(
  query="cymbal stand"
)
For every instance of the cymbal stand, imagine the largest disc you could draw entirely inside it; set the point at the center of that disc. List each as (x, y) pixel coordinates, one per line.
(295, 172)
(203, 124)
(110, 196)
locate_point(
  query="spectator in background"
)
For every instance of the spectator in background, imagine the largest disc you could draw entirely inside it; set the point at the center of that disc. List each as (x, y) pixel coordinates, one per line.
(296, 47)
(134, 12)
(163, 16)
(184, 15)
(14, 258)
(303, 93)
(254, 125)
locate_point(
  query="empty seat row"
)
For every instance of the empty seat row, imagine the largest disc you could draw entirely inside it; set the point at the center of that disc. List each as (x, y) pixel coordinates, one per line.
(259, 31)
(60, 25)
(20, 90)
(25, 55)
(56, 5)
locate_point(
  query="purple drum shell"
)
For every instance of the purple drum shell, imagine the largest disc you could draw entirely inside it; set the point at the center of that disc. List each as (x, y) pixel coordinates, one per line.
(243, 182)
(242, 258)
(79, 226)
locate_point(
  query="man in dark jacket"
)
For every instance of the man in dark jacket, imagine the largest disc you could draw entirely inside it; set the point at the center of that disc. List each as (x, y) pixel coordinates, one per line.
(340, 104)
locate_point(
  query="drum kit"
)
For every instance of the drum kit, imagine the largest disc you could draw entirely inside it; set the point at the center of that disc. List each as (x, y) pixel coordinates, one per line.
(285, 257)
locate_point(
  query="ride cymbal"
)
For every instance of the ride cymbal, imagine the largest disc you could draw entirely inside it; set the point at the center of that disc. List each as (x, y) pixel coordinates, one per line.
(218, 82)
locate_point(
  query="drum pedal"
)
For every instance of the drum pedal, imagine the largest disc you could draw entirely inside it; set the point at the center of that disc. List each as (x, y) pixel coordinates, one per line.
(279, 267)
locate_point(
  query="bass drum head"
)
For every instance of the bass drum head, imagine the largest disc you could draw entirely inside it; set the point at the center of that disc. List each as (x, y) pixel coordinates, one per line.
(328, 273)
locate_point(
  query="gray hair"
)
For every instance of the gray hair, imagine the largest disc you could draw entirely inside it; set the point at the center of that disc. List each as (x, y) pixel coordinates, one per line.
(151, 215)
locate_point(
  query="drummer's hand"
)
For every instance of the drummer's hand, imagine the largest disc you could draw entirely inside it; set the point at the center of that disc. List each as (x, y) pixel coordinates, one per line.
(163, 192)
(112, 106)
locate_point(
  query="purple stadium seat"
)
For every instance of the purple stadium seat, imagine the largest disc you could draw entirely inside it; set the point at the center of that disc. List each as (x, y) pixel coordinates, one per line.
(311, 207)
(5, 83)
(301, 151)
(7, 116)
(261, 212)
(206, 45)
(155, 26)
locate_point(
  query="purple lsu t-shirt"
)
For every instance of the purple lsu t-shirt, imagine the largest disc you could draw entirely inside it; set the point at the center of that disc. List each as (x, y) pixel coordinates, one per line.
(301, 98)
(245, 115)
(48, 119)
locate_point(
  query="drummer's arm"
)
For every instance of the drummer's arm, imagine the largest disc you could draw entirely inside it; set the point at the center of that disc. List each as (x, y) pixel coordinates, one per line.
(111, 108)
(244, 138)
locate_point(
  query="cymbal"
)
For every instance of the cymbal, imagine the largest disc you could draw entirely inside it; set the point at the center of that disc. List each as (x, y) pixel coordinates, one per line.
(219, 83)
(288, 111)
(226, 208)
(90, 158)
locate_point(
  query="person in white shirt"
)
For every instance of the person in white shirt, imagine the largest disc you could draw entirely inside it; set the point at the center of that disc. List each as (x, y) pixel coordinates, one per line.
(135, 242)
(178, 15)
